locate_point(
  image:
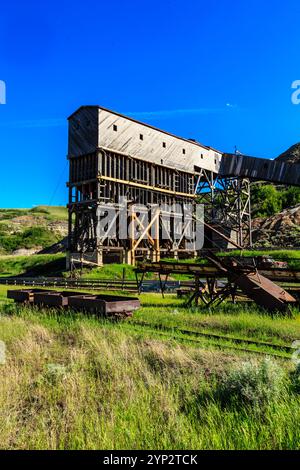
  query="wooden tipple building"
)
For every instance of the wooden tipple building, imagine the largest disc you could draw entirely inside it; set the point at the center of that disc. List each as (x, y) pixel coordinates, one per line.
(114, 158)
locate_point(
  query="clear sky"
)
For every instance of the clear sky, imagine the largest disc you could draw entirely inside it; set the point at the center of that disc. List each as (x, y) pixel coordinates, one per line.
(219, 71)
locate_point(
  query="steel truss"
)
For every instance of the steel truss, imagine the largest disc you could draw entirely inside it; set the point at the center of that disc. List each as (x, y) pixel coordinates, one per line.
(227, 208)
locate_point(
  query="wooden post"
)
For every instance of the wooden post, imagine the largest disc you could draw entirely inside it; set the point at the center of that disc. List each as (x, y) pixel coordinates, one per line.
(132, 219)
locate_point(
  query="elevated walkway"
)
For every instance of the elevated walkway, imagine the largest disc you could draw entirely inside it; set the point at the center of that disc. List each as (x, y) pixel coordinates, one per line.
(274, 171)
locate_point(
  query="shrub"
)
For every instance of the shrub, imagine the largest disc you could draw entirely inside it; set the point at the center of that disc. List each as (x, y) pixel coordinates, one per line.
(29, 238)
(268, 199)
(55, 373)
(255, 384)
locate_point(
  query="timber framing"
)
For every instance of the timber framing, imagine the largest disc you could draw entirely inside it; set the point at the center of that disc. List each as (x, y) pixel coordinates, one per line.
(112, 158)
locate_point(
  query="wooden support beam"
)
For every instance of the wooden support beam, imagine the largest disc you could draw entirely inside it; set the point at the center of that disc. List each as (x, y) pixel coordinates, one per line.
(148, 187)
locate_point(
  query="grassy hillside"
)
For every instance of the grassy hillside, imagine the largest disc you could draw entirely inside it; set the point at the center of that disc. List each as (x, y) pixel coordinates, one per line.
(34, 265)
(52, 213)
(77, 382)
(54, 265)
(36, 228)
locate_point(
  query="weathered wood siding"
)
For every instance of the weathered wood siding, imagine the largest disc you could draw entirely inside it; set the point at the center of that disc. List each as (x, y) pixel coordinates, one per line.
(92, 127)
(83, 131)
(119, 133)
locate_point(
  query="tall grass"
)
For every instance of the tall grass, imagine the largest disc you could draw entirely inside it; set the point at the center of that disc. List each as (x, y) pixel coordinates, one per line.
(76, 382)
(242, 319)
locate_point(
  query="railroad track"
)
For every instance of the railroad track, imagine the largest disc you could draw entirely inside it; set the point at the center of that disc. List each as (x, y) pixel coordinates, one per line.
(126, 285)
(195, 337)
(282, 351)
(91, 284)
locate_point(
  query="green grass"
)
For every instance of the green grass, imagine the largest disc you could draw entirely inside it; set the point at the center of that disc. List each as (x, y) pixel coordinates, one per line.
(110, 271)
(73, 381)
(292, 257)
(49, 265)
(50, 212)
(276, 254)
(244, 320)
(38, 265)
(113, 271)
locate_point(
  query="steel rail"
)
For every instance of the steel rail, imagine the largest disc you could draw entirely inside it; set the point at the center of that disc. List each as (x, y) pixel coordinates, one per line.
(278, 347)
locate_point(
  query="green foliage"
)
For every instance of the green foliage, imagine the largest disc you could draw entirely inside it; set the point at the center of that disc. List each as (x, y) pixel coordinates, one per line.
(29, 238)
(35, 236)
(265, 200)
(268, 199)
(8, 214)
(290, 197)
(12, 237)
(252, 383)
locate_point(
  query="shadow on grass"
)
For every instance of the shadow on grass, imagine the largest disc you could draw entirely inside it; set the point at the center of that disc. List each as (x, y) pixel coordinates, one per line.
(54, 268)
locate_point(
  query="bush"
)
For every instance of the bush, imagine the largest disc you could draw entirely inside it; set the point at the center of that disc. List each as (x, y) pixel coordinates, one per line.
(29, 238)
(268, 199)
(255, 384)
(290, 197)
(54, 373)
(265, 200)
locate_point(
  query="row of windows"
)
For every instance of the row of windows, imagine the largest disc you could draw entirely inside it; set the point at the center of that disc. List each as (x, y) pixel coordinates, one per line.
(115, 128)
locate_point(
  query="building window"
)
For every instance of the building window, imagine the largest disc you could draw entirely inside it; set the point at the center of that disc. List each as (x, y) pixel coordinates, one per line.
(201, 155)
(141, 137)
(215, 160)
(162, 162)
(115, 127)
(164, 145)
(183, 151)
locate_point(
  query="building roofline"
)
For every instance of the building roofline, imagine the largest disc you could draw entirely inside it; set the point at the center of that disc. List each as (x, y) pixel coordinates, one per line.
(145, 124)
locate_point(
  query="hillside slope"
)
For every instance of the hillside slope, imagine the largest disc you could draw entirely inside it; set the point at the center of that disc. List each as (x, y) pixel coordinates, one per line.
(292, 155)
(282, 229)
(28, 231)
(277, 209)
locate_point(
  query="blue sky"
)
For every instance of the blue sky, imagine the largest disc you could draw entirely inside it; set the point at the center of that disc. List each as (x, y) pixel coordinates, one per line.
(218, 71)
